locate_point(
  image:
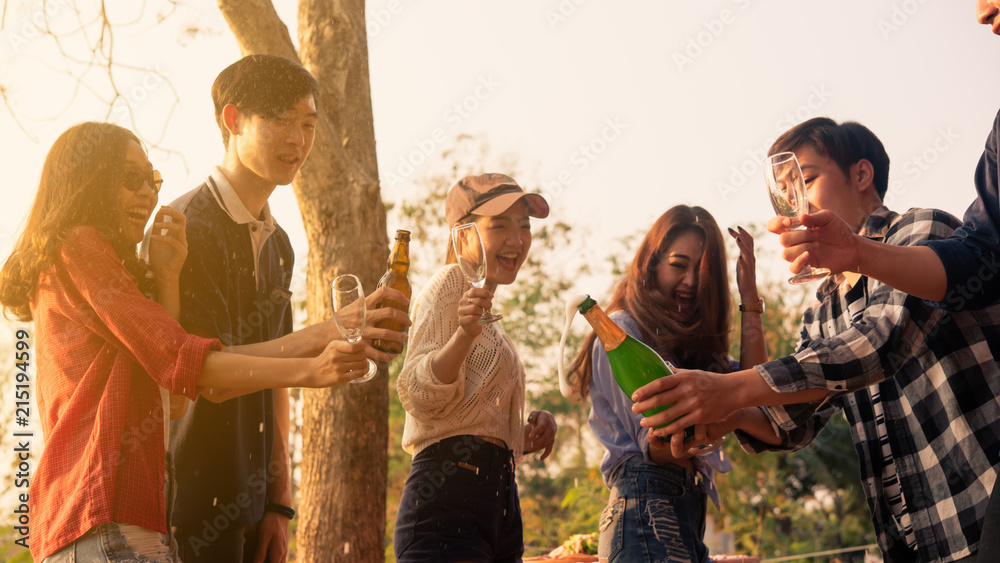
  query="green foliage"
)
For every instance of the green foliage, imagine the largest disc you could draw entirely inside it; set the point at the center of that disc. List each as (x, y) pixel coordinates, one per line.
(9, 551)
(779, 504)
(399, 460)
(557, 505)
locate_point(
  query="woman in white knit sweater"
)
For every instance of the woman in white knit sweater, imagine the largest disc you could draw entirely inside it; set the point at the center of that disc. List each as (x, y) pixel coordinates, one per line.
(462, 386)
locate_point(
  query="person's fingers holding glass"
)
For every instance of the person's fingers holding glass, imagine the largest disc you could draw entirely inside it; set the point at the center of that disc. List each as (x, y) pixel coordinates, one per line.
(470, 309)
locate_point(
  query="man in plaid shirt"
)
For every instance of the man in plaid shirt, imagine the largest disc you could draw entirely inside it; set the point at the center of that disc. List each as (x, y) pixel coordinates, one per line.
(919, 386)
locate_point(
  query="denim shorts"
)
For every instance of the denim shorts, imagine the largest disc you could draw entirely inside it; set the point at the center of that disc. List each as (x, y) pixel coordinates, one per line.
(656, 513)
(117, 543)
(460, 504)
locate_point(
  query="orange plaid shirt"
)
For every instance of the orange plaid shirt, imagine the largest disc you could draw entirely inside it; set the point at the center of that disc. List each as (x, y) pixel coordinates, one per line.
(102, 350)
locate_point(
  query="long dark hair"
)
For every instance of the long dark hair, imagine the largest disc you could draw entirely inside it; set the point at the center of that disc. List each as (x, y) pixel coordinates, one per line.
(699, 341)
(79, 186)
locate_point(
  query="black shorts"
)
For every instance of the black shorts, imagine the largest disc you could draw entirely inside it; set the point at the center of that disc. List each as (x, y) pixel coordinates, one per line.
(460, 504)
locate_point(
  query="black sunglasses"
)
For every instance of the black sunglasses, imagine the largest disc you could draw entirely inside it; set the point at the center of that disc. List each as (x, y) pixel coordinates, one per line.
(133, 180)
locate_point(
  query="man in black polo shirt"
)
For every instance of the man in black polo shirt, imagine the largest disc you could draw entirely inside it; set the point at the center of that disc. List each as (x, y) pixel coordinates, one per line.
(234, 497)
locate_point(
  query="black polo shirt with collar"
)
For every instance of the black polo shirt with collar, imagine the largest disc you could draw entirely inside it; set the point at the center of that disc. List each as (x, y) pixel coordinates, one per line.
(222, 451)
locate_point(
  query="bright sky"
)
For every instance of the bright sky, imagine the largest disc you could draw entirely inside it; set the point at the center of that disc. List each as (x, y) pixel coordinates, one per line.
(623, 108)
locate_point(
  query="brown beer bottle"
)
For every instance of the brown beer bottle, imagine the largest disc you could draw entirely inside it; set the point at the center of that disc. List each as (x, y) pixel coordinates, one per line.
(395, 277)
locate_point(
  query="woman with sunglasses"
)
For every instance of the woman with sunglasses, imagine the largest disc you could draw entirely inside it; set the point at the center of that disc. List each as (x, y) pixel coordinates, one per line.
(107, 355)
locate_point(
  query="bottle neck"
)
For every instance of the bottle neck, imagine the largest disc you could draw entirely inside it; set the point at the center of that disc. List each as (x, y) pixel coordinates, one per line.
(607, 330)
(399, 259)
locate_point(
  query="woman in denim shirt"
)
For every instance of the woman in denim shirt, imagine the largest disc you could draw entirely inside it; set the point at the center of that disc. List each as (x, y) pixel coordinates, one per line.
(675, 299)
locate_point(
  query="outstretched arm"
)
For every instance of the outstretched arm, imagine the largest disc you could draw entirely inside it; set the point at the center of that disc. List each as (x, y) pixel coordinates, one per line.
(702, 397)
(311, 340)
(867, 352)
(228, 375)
(827, 242)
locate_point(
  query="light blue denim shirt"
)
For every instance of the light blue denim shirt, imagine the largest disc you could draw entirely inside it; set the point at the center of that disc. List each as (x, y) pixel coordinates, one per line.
(617, 427)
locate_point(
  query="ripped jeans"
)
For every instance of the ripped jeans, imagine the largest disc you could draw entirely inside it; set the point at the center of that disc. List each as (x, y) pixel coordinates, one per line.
(117, 543)
(656, 514)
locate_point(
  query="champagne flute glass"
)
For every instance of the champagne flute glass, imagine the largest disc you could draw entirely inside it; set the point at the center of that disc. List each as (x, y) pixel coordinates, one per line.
(787, 191)
(349, 313)
(471, 256)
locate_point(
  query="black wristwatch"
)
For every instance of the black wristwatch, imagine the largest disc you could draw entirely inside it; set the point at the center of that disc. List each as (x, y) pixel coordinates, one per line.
(286, 511)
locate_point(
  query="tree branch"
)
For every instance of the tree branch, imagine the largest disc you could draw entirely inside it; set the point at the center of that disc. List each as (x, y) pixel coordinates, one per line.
(101, 57)
(257, 28)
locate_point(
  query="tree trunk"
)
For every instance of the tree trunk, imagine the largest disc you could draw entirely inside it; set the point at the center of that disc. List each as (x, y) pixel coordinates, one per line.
(345, 430)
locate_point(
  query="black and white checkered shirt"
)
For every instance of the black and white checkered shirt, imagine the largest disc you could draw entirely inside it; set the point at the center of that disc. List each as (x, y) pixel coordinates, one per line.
(938, 381)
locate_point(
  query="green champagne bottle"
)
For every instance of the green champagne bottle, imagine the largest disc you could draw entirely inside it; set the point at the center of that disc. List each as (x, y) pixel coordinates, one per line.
(633, 363)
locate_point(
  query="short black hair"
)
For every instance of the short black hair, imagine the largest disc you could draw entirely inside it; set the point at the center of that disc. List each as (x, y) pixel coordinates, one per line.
(844, 143)
(265, 85)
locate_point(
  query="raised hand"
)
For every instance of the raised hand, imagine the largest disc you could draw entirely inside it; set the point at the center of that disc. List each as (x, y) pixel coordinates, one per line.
(826, 242)
(470, 309)
(746, 265)
(168, 244)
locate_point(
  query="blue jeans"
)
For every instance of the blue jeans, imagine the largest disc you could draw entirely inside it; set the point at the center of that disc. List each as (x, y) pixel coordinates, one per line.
(656, 513)
(117, 543)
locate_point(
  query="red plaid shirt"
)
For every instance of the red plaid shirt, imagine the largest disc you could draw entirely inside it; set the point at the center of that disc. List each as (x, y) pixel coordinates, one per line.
(102, 349)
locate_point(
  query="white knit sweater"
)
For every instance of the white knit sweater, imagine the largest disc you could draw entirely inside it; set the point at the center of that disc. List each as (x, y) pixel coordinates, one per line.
(487, 397)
